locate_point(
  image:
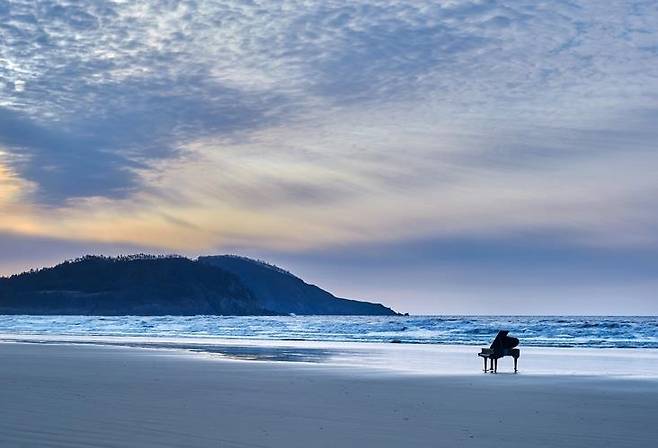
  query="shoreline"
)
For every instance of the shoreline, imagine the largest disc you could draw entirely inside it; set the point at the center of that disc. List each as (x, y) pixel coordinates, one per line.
(423, 359)
(73, 395)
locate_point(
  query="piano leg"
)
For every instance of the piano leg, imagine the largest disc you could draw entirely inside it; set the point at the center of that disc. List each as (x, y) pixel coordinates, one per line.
(515, 363)
(485, 364)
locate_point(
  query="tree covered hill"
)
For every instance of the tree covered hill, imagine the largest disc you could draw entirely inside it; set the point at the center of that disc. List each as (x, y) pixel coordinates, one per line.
(282, 292)
(157, 285)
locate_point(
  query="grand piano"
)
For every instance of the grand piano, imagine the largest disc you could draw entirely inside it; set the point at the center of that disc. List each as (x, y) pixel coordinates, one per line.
(502, 346)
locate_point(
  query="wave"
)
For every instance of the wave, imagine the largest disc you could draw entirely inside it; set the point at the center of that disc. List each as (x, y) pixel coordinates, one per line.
(538, 331)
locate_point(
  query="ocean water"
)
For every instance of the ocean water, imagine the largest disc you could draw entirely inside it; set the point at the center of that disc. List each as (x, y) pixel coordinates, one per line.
(533, 331)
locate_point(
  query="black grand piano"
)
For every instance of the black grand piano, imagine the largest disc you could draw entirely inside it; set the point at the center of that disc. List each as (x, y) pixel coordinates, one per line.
(502, 346)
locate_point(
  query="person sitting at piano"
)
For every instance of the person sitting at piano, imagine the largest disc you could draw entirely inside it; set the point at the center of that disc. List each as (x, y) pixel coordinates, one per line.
(502, 345)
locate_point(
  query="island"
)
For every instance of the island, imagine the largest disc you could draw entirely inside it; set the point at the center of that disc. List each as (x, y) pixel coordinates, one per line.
(147, 285)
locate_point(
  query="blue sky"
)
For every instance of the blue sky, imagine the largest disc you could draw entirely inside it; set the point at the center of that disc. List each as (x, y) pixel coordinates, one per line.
(438, 156)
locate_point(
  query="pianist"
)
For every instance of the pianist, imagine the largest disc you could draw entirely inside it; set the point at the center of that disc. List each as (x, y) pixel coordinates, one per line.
(503, 345)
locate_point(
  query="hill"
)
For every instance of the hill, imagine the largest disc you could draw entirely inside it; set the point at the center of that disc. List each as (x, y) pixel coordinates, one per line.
(149, 285)
(280, 291)
(138, 285)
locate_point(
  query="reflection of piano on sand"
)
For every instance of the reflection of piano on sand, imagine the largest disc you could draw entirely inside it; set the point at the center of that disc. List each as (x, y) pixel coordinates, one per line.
(503, 345)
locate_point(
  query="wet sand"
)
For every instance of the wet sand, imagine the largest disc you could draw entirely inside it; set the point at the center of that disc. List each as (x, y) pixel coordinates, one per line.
(56, 395)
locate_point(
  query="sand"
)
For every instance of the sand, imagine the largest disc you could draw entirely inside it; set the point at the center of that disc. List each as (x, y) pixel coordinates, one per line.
(63, 395)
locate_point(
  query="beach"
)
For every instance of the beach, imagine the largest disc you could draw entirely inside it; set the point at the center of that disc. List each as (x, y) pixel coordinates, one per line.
(64, 394)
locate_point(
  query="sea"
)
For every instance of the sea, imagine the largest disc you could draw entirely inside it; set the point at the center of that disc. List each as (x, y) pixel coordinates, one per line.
(533, 331)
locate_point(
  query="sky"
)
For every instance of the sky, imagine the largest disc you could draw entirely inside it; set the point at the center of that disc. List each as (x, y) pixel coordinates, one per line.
(441, 157)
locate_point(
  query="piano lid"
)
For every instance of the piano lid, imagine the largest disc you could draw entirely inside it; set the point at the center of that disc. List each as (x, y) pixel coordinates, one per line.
(503, 341)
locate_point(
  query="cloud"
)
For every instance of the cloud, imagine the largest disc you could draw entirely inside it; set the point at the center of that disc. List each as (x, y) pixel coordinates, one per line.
(297, 123)
(103, 92)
